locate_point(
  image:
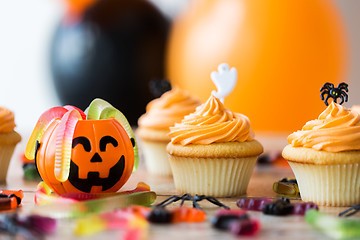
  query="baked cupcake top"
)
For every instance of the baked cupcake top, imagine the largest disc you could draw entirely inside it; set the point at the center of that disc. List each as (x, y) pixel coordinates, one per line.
(170, 108)
(337, 129)
(7, 122)
(211, 123)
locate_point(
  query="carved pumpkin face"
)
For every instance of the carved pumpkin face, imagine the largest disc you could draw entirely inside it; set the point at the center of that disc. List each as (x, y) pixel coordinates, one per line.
(102, 157)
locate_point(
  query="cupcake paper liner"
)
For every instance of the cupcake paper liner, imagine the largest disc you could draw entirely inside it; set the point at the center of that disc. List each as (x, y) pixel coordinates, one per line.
(6, 152)
(328, 185)
(156, 158)
(218, 177)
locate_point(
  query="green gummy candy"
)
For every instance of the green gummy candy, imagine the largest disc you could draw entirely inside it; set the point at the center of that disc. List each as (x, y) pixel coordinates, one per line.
(332, 226)
(31, 173)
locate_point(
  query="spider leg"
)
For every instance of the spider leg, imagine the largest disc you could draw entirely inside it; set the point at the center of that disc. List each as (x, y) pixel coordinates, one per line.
(326, 100)
(323, 93)
(345, 95)
(327, 86)
(350, 211)
(168, 201)
(186, 196)
(196, 199)
(216, 202)
(342, 99)
(343, 86)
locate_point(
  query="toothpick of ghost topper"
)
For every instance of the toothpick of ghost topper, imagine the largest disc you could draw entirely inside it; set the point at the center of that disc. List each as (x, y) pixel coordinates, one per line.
(224, 80)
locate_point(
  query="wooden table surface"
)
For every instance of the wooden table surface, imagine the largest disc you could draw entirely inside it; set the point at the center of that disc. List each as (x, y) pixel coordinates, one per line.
(272, 227)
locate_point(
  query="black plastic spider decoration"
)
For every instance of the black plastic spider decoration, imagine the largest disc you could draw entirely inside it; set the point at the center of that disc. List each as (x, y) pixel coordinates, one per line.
(334, 92)
(350, 211)
(159, 86)
(159, 214)
(194, 199)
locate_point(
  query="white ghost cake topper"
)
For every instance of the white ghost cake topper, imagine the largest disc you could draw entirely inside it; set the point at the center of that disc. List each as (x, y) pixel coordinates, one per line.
(224, 80)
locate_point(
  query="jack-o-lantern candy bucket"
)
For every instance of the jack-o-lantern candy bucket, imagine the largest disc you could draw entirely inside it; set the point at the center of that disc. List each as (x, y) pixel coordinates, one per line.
(77, 152)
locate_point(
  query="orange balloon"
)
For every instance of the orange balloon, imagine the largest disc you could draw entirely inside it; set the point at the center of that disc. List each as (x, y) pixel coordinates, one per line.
(284, 51)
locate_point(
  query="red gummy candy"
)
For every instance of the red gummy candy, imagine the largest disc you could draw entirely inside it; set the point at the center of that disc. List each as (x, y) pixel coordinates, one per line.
(254, 204)
(245, 227)
(230, 212)
(186, 214)
(301, 208)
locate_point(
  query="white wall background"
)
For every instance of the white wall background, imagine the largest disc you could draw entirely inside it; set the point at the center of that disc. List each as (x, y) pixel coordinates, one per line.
(26, 27)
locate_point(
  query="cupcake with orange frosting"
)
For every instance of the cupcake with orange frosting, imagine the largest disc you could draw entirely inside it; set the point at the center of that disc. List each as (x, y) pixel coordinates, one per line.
(213, 151)
(8, 140)
(153, 130)
(325, 157)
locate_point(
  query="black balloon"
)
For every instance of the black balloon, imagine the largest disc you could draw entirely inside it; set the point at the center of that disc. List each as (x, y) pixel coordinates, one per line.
(112, 52)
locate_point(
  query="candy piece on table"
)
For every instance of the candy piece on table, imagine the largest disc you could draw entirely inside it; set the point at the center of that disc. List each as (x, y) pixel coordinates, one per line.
(28, 227)
(134, 234)
(141, 187)
(254, 204)
(160, 215)
(224, 218)
(303, 207)
(279, 207)
(30, 172)
(90, 226)
(287, 187)
(235, 212)
(334, 227)
(10, 199)
(18, 194)
(44, 121)
(247, 227)
(118, 219)
(187, 214)
(7, 203)
(134, 216)
(140, 211)
(137, 229)
(84, 208)
(43, 225)
(43, 196)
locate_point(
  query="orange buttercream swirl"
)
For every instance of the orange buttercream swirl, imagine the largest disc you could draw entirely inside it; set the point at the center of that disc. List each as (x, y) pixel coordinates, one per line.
(7, 123)
(356, 108)
(210, 123)
(337, 129)
(170, 108)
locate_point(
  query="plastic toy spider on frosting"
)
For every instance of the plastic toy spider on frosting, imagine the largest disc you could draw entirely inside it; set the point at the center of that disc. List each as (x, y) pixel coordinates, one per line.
(77, 152)
(334, 92)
